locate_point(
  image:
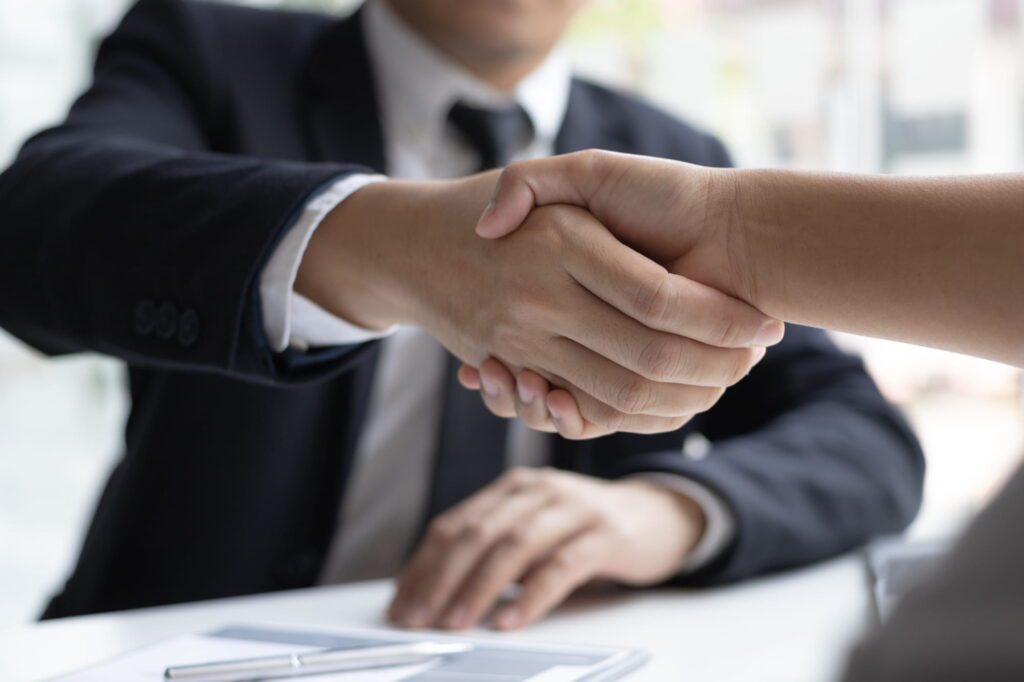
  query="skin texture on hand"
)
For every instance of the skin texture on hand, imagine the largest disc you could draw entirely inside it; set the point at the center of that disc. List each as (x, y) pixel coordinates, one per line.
(678, 214)
(561, 296)
(549, 532)
(932, 261)
(928, 260)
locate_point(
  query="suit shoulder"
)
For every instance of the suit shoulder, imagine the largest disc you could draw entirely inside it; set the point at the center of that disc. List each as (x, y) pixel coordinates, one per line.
(643, 128)
(217, 27)
(259, 30)
(243, 18)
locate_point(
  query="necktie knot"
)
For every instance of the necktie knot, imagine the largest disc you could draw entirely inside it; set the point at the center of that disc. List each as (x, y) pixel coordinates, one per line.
(494, 134)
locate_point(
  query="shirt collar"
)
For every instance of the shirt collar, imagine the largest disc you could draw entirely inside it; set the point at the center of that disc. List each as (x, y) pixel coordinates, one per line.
(417, 84)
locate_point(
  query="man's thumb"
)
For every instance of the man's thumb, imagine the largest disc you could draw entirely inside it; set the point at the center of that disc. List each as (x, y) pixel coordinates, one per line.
(512, 201)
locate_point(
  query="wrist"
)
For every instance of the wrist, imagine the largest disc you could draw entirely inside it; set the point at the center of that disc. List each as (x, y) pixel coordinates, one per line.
(726, 227)
(351, 266)
(688, 513)
(675, 524)
(401, 252)
(749, 210)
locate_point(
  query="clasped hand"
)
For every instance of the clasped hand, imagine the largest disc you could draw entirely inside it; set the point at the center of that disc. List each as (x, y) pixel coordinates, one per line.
(632, 346)
(679, 216)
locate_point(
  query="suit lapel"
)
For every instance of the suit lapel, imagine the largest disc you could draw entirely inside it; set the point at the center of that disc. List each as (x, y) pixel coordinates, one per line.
(586, 126)
(341, 105)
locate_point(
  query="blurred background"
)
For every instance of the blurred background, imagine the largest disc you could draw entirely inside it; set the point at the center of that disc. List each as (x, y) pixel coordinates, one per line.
(896, 86)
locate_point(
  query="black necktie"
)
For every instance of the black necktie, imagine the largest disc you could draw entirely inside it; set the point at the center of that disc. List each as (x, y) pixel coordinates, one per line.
(471, 446)
(494, 134)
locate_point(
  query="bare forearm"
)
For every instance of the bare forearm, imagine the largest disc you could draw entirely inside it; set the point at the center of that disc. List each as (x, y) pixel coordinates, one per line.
(406, 253)
(354, 262)
(936, 262)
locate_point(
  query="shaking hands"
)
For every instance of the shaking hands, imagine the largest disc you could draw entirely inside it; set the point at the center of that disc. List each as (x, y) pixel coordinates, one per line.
(629, 344)
(933, 261)
(681, 217)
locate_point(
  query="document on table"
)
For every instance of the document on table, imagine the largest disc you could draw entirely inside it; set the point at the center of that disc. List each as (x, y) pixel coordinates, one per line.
(490, 660)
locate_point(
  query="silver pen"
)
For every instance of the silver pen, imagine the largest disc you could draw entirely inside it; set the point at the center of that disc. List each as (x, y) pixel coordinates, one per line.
(323, 661)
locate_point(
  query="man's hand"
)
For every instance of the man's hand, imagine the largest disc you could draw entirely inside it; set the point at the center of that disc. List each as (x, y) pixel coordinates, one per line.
(548, 532)
(678, 214)
(561, 296)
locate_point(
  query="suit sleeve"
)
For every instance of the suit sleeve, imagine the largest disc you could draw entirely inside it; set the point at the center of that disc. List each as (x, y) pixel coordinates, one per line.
(963, 621)
(809, 456)
(125, 231)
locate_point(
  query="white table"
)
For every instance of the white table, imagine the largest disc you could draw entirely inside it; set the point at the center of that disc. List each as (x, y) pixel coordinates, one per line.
(794, 627)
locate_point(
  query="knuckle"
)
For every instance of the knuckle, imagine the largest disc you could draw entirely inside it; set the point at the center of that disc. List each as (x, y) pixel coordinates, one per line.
(593, 513)
(504, 335)
(545, 474)
(513, 174)
(588, 156)
(562, 563)
(561, 228)
(725, 331)
(551, 216)
(520, 477)
(499, 406)
(550, 477)
(516, 540)
(516, 335)
(616, 421)
(634, 396)
(550, 487)
(660, 358)
(655, 358)
(475, 532)
(521, 309)
(583, 161)
(652, 300)
(442, 531)
(588, 160)
(607, 417)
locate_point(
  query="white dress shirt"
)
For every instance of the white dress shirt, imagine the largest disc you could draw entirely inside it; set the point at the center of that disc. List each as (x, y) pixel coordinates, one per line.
(382, 511)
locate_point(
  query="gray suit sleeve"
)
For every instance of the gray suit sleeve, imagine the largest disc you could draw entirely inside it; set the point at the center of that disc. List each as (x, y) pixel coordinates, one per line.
(967, 622)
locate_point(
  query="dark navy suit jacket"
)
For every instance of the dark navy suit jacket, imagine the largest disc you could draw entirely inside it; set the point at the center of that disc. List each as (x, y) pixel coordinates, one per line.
(137, 228)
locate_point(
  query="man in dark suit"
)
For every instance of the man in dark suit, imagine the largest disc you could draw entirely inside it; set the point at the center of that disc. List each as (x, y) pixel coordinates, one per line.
(209, 213)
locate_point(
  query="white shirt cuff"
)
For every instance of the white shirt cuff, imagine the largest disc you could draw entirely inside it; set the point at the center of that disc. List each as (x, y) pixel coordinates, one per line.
(290, 319)
(719, 520)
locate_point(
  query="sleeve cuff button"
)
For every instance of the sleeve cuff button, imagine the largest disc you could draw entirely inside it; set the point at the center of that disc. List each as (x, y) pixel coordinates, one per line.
(188, 328)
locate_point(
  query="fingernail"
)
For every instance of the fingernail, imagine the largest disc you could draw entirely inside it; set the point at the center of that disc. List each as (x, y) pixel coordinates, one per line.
(526, 396)
(770, 333)
(508, 618)
(456, 618)
(759, 354)
(490, 388)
